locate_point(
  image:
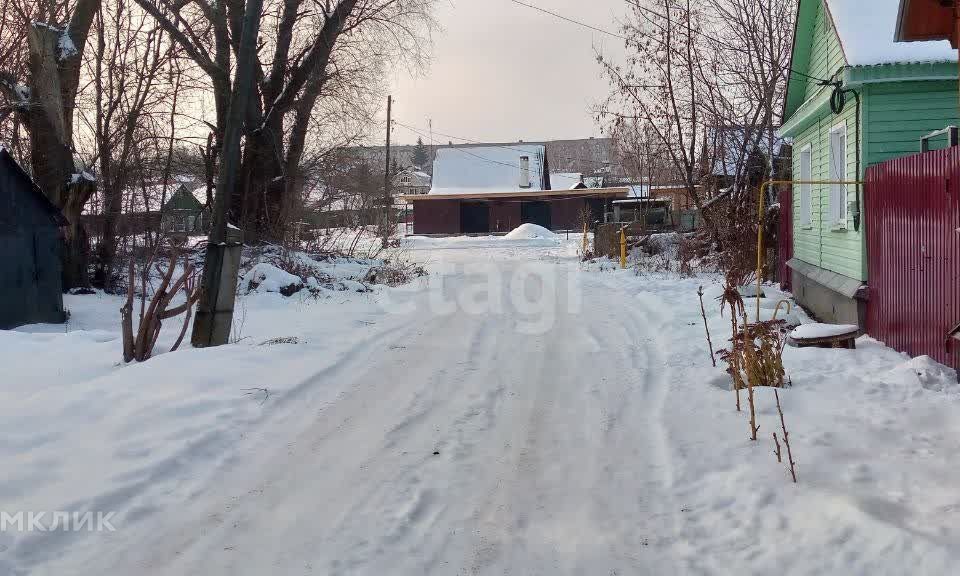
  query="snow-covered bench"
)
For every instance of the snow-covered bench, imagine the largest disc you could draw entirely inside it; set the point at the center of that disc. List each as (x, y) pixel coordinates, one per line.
(825, 336)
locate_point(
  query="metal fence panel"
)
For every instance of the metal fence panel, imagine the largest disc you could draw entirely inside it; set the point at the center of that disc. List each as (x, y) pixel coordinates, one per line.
(912, 253)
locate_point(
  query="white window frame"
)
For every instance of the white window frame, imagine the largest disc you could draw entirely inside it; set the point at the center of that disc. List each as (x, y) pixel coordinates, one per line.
(838, 192)
(806, 190)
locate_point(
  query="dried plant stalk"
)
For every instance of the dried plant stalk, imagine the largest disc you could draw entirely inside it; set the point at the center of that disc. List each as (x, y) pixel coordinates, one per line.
(786, 438)
(777, 451)
(753, 367)
(703, 313)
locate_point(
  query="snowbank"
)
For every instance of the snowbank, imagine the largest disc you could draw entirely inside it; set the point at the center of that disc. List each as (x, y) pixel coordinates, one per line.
(530, 231)
(268, 278)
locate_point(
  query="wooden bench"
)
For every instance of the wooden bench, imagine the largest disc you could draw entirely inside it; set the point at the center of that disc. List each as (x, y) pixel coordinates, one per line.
(825, 336)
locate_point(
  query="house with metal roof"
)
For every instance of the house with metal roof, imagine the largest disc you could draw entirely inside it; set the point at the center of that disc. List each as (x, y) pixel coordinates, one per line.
(855, 98)
(495, 188)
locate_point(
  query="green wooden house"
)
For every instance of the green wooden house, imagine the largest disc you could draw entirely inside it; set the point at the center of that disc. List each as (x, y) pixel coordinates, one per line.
(184, 214)
(855, 98)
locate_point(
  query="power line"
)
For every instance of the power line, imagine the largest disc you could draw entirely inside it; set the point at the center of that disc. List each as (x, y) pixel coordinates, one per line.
(570, 20)
(659, 15)
(464, 150)
(491, 160)
(505, 147)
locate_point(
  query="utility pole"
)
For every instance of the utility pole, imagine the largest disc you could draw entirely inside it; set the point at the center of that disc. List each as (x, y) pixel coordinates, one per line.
(387, 202)
(219, 289)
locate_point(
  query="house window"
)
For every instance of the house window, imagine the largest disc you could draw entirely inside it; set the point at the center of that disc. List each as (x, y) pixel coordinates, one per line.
(191, 223)
(838, 171)
(806, 175)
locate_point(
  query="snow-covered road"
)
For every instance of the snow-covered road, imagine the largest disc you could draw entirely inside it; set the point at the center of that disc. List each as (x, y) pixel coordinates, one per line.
(518, 414)
(463, 442)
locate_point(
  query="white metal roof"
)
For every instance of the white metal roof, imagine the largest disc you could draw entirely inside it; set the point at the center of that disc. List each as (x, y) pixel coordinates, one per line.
(472, 169)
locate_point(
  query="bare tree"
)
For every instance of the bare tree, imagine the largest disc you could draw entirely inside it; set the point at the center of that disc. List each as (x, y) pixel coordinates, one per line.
(43, 97)
(706, 81)
(127, 68)
(309, 51)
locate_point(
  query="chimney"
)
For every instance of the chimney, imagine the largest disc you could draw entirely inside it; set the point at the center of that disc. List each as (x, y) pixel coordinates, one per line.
(524, 171)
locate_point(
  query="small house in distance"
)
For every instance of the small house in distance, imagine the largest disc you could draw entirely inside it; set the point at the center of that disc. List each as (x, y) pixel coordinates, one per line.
(411, 181)
(494, 189)
(30, 269)
(184, 214)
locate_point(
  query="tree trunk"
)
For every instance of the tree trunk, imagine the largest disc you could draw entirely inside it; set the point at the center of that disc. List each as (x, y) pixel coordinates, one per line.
(54, 77)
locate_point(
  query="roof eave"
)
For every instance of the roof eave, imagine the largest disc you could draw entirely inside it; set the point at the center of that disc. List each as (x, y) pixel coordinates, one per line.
(804, 115)
(900, 72)
(598, 192)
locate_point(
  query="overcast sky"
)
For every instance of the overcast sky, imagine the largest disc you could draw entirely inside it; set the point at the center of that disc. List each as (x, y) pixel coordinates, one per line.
(503, 72)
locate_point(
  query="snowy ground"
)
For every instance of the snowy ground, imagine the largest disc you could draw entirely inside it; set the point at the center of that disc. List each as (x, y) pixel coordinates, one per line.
(512, 413)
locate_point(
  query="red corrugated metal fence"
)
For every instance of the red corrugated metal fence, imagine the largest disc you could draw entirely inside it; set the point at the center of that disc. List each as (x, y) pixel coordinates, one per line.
(785, 238)
(912, 253)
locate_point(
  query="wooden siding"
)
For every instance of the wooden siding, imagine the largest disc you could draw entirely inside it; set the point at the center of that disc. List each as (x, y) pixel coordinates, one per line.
(822, 244)
(826, 53)
(900, 113)
(895, 115)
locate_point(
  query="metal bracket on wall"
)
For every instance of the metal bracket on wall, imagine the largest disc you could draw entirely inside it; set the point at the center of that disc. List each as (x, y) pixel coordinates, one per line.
(952, 133)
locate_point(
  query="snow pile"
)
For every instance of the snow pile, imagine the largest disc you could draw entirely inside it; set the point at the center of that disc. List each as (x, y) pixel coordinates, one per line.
(530, 231)
(287, 272)
(924, 372)
(817, 330)
(265, 277)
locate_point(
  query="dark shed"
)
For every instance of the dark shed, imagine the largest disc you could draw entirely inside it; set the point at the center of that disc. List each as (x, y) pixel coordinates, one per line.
(30, 282)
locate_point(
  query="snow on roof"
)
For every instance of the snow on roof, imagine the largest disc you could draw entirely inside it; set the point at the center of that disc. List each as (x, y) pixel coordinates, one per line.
(867, 35)
(565, 180)
(472, 169)
(200, 193)
(594, 181)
